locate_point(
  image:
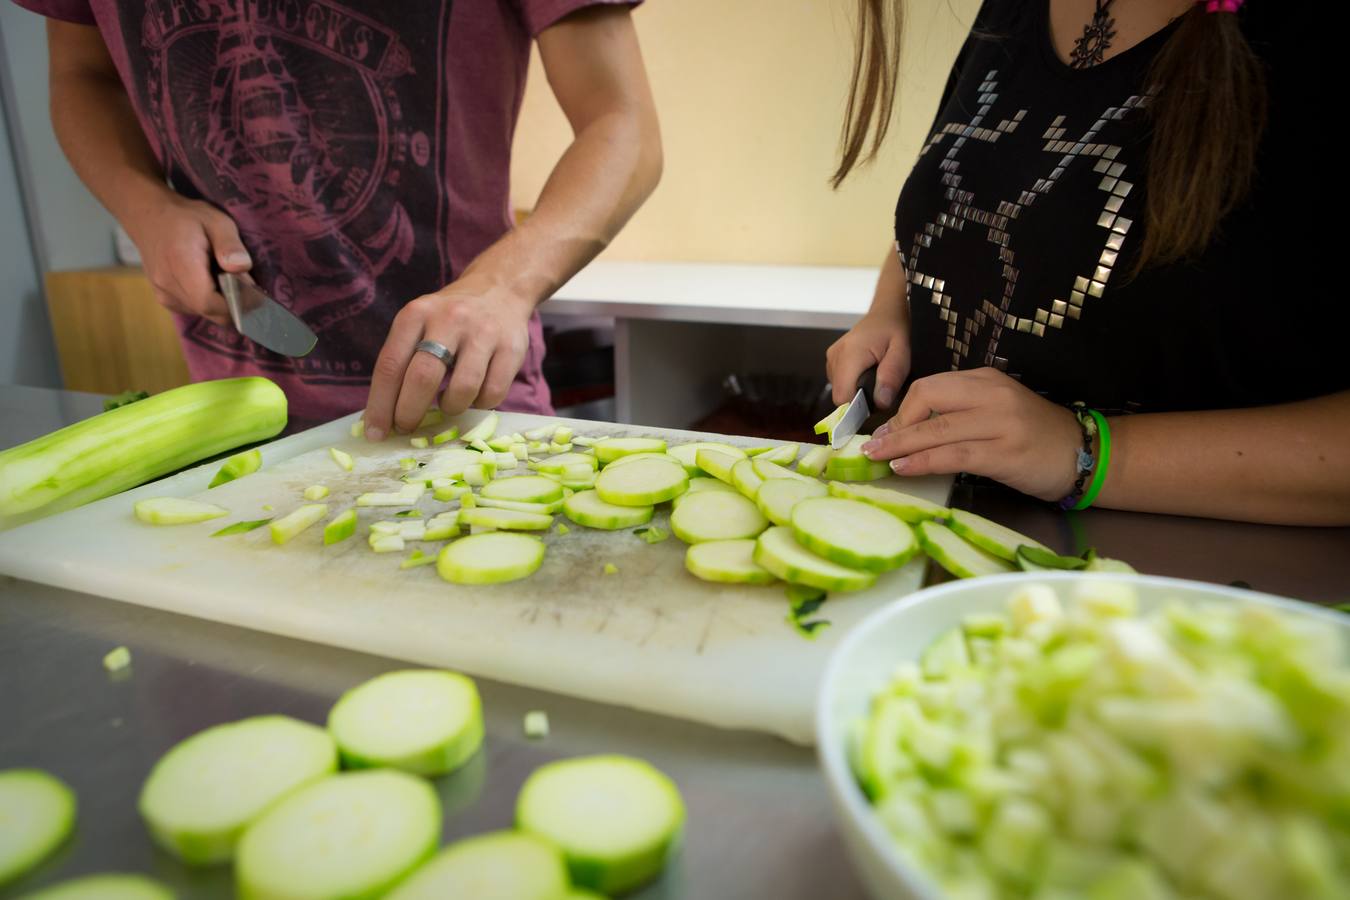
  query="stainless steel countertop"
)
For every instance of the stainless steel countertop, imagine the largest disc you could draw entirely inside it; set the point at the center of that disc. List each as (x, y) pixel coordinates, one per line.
(759, 821)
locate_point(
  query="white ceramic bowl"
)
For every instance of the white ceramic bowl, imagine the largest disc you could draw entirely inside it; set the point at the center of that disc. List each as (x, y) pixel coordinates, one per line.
(864, 661)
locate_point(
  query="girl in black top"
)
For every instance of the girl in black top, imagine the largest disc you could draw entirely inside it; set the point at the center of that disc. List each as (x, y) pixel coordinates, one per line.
(1111, 209)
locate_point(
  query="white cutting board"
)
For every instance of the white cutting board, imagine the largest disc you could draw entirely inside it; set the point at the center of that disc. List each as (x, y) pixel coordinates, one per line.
(651, 636)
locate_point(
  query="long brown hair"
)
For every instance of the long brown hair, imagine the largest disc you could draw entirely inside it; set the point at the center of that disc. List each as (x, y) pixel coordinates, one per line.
(1208, 111)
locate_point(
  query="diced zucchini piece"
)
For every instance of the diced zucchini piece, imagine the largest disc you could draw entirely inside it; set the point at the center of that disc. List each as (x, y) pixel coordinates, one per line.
(609, 449)
(342, 458)
(729, 562)
(416, 560)
(316, 492)
(483, 448)
(446, 436)
(423, 721)
(208, 788)
(556, 447)
(358, 428)
(562, 529)
(768, 469)
(542, 433)
(777, 497)
(289, 526)
(407, 463)
(37, 814)
(643, 483)
(505, 461)
(745, 479)
(583, 441)
(587, 509)
(175, 511)
(814, 462)
(505, 519)
(419, 443)
(490, 558)
(447, 492)
(500, 444)
(407, 496)
(536, 724)
(117, 659)
(442, 527)
(620, 850)
(556, 464)
(909, 508)
(386, 543)
(849, 464)
(509, 865)
(717, 516)
(523, 489)
(563, 435)
(356, 834)
(412, 531)
(432, 417)
(990, 536)
(342, 526)
(484, 430)
(611, 569)
(778, 551)
(853, 534)
(238, 466)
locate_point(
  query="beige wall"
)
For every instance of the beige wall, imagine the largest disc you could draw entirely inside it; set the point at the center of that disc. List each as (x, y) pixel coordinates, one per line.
(750, 94)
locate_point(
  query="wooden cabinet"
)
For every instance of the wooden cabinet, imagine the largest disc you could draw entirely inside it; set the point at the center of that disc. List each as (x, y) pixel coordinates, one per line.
(111, 335)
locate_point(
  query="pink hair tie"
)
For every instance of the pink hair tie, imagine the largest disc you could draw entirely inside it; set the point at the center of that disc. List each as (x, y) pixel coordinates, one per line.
(1228, 6)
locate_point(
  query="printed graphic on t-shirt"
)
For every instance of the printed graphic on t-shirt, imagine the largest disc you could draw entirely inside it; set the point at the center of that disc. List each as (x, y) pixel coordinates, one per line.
(318, 127)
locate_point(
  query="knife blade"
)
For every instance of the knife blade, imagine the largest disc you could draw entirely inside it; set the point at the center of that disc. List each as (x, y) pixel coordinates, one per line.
(858, 411)
(263, 320)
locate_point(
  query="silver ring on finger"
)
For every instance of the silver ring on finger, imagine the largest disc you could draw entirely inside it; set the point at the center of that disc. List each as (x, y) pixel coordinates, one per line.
(438, 350)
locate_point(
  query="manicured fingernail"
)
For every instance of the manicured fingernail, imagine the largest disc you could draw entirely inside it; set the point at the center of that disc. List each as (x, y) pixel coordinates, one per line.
(884, 429)
(898, 466)
(239, 258)
(871, 447)
(374, 435)
(885, 396)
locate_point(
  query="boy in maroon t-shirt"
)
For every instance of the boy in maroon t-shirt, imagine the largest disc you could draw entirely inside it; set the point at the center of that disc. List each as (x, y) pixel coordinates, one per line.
(353, 157)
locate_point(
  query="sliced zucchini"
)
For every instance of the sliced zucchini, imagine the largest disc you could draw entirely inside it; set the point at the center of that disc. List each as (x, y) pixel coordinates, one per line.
(586, 508)
(351, 835)
(784, 455)
(1036, 559)
(728, 562)
(542, 433)
(849, 464)
(509, 865)
(959, 557)
(778, 496)
(442, 527)
(237, 466)
(523, 489)
(505, 519)
(490, 558)
(542, 509)
(423, 721)
(240, 527)
(446, 436)
(634, 457)
(717, 464)
(609, 449)
(687, 454)
(416, 560)
(778, 551)
(175, 511)
(484, 430)
(419, 443)
(109, 886)
(905, 506)
(617, 820)
(408, 495)
(432, 417)
(208, 788)
(990, 536)
(447, 491)
(768, 469)
(717, 516)
(853, 534)
(701, 483)
(358, 428)
(827, 425)
(289, 526)
(643, 483)
(556, 464)
(315, 492)
(386, 543)
(745, 479)
(815, 461)
(340, 528)
(37, 814)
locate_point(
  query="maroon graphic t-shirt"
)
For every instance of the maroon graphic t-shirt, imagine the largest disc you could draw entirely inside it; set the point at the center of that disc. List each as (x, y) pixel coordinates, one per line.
(362, 146)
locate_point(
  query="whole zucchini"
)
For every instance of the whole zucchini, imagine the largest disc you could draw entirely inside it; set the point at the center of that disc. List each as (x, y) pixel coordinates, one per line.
(128, 446)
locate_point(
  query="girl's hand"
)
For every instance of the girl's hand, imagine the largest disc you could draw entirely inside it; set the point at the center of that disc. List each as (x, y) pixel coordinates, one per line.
(877, 340)
(985, 423)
